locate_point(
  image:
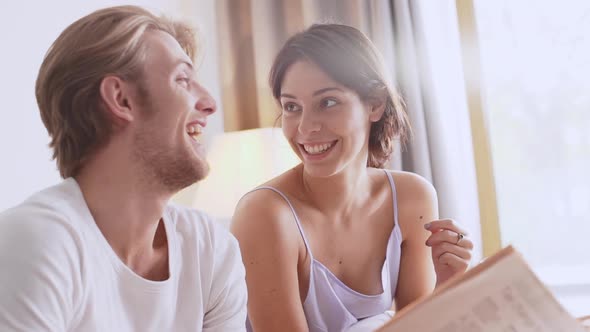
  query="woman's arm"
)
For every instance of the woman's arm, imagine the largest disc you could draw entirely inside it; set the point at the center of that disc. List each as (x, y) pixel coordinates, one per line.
(432, 249)
(417, 205)
(270, 245)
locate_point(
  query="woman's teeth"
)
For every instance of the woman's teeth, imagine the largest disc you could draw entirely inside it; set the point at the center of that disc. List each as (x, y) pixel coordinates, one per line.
(317, 148)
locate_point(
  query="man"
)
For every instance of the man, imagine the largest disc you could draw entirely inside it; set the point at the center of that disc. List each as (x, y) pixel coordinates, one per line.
(104, 250)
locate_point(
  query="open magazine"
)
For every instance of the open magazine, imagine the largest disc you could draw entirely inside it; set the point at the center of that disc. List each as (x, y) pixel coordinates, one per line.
(502, 294)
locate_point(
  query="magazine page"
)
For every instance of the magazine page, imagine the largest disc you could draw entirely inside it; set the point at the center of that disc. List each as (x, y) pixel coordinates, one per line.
(501, 295)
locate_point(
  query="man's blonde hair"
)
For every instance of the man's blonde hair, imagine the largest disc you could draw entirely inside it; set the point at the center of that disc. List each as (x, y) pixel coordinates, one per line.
(106, 42)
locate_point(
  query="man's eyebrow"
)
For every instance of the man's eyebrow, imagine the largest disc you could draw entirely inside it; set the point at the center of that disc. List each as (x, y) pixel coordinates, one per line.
(184, 62)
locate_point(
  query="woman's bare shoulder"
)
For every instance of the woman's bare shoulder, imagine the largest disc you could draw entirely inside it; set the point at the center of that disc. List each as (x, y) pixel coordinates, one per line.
(265, 211)
(411, 187)
(417, 202)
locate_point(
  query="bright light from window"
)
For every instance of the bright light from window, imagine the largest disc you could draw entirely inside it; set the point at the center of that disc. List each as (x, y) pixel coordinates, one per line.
(536, 79)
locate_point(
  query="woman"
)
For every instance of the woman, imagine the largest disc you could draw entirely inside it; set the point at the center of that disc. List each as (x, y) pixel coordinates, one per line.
(338, 239)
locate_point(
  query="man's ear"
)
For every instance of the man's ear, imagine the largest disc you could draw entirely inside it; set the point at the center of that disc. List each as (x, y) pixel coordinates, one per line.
(116, 95)
(377, 104)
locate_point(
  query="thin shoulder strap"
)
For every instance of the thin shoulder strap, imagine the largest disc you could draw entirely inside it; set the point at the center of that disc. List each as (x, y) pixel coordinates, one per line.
(394, 195)
(294, 215)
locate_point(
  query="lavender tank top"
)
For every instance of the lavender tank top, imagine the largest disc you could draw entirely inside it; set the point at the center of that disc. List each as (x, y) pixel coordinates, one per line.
(330, 305)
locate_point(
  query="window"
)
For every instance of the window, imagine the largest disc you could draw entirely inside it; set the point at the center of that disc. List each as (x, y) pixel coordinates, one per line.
(535, 60)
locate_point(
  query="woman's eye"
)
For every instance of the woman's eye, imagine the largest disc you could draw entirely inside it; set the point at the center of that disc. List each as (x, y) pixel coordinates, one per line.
(328, 103)
(290, 107)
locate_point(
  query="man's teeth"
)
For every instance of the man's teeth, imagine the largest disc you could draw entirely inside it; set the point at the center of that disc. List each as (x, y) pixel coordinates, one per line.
(194, 130)
(318, 148)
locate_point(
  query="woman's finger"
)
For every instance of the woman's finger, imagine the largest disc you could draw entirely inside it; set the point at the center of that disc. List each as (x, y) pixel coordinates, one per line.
(454, 261)
(449, 237)
(445, 224)
(445, 247)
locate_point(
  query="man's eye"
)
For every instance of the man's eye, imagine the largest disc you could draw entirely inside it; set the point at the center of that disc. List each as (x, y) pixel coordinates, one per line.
(184, 81)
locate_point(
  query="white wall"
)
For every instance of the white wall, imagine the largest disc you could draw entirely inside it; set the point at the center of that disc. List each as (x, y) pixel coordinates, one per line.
(27, 29)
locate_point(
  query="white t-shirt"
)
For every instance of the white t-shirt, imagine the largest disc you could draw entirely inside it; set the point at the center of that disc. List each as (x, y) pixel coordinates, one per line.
(58, 272)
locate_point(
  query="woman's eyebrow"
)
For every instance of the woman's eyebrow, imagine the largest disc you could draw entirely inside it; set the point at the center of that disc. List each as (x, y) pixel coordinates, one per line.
(324, 90)
(317, 92)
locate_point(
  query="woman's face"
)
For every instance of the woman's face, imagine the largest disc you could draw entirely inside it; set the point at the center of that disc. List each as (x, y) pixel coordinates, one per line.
(326, 123)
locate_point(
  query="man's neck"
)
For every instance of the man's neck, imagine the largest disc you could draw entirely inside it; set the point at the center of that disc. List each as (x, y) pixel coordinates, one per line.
(128, 211)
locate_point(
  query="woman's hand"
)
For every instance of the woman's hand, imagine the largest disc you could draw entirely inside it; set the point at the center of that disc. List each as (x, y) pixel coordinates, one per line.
(451, 248)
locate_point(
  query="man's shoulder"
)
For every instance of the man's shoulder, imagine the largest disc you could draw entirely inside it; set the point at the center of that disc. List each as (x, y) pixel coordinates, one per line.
(45, 221)
(210, 250)
(61, 199)
(53, 205)
(198, 225)
(205, 244)
(38, 233)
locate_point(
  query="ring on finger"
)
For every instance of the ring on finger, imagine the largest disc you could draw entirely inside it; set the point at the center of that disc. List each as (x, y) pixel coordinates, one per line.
(460, 237)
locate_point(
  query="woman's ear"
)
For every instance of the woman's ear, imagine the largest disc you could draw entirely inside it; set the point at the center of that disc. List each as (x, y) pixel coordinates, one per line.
(116, 95)
(377, 104)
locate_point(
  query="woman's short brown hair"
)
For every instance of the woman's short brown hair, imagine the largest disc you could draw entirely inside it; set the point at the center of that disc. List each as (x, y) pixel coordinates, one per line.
(350, 58)
(106, 42)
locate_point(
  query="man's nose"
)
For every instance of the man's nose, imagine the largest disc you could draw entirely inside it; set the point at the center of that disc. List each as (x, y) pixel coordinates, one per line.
(205, 103)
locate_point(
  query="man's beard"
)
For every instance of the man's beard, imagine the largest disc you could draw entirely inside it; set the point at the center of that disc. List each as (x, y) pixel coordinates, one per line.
(171, 169)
